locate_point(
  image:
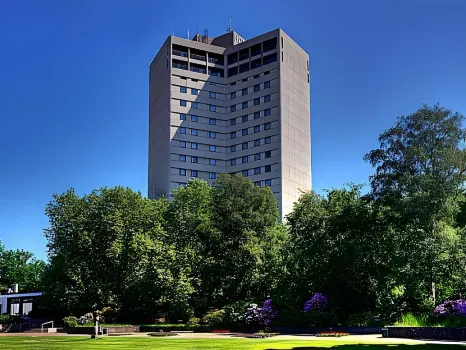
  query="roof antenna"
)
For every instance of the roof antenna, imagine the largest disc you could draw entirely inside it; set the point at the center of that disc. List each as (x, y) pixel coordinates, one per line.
(229, 28)
(188, 33)
(173, 32)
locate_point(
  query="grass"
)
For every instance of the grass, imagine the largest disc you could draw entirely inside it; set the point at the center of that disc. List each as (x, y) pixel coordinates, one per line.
(64, 342)
(425, 320)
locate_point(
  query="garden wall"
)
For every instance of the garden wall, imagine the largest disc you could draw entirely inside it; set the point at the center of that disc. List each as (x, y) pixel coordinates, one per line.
(91, 330)
(438, 333)
(314, 330)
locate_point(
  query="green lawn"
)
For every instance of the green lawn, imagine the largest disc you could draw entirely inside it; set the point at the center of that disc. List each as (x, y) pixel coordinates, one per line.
(63, 342)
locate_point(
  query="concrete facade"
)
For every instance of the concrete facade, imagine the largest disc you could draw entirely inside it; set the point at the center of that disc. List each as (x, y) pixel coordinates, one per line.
(230, 105)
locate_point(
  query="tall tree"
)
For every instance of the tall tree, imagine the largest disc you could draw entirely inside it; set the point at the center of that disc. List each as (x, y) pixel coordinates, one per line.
(420, 170)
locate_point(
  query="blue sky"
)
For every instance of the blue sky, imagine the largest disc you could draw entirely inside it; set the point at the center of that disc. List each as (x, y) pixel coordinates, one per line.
(74, 85)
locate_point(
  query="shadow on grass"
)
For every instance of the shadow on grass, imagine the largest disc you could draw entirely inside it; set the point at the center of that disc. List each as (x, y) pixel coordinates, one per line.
(381, 347)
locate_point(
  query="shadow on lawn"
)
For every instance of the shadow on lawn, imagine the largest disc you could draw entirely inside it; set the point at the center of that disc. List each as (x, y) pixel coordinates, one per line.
(382, 347)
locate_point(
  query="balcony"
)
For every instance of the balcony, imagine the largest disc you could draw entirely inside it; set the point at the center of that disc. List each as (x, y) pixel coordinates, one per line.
(198, 70)
(216, 61)
(197, 57)
(180, 53)
(180, 65)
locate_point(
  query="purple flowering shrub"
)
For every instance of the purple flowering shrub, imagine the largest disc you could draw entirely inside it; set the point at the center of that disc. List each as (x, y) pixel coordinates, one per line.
(451, 307)
(318, 302)
(256, 316)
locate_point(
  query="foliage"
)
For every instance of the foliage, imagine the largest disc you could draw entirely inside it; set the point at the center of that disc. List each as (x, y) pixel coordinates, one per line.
(70, 321)
(173, 327)
(318, 302)
(451, 307)
(258, 317)
(431, 320)
(193, 320)
(214, 318)
(86, 319)
(363, 319)
(5, 318)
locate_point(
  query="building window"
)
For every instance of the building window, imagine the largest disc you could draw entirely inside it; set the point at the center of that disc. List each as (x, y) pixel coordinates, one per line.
(257, 115)
(183, 103)
(212, 94)
(233, 121)
(212, 135)
(245, 173)
(267, 112)
(257, 156)
(257, 128)
(233, 148)
(268, 168)
(233, 135)
(212, 108)
(268, 154)
(194, 105)
(212, 148)
(194, 118)
(268, 182)
(182, 116)
(182, 172)
(266, 84)
(267, 98)
(257, 87)
(282, 41)
(194, 92)
(182, 144)
(182, 130)
(257, 101)
(193, 159)
(233, 162)
(194, 132)
(244, 132)
(268, 139)
(233, 108)
(267, 126)
(212, 121)
(233, 94)
(245, 145)
(193, 145)
(195, 80)
(244, 105)
(212, 176)
(257, 183)
(193, 173)
(212, 161)
(267, 73)
(244, 91)
(182, 158)
(183, 89)
(244, 118)
(257, 76)
(256, 63)
(270, 58)
(244, 80)
(257, 171)
(257, 143)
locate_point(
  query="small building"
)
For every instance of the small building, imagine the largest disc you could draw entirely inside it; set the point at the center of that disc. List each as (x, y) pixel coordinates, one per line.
(15, 303)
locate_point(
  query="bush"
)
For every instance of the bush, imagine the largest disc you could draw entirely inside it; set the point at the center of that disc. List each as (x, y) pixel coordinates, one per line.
(364, 319)
(86, 319)
(173, 327)
(4, 319)
(214, 318)
(429, 320)
(193, 320)
(109, 315)
(70, 321)
(259, 317)
(233, 313)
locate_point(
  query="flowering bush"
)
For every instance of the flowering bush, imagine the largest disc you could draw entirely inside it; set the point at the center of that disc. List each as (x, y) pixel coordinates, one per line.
(318, 302)
(451, 307)
(260, 316)
(86, 319)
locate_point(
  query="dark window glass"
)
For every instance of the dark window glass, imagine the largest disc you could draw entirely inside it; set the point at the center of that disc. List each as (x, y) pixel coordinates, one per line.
(212, 121)
(245, 145)
(244, 67)
(245, 159)
(257, 143)
(193, 159)
(257, 171)
(266, 84)
(268, 182)
(194, 118)
(194, 105)
(182, 130)
(245, 173)
(257, 183)
(257, 101)
(267, 73)
(182, 172)
(245, 79)
(194, 173)
(233, 121)
(268, 154)
(257, 87)
(268, 168)
(257, 156)
(257, 76)
(233, 108)
(182, 116)
(267, 98)
(267, 112)
(232, 71)
(212, 108)
(244, 105)
(183, 89)
(212, 148)
(256, 50)
(233, 94)
(233, 135)
(212, 176)
(212, 94)
(232, 58)
(268, 139)
(257, 128)
(233, 148)
(233, 162)
(212, 161)
(212, 135)
(183, 103)
(194, 92)
(244, 118)
(182, 158)
(194, 132)
(267, 126)
(193, 145)
(256, 63)
(270, 59)
(244, 91)
(257, 115)
(183, 144)
(244, 132)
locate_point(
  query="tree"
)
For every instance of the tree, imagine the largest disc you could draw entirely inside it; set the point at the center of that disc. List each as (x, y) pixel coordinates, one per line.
(21, 267)
(420, 171)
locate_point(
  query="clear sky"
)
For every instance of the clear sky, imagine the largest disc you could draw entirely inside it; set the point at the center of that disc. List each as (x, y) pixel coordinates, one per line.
(74, 85)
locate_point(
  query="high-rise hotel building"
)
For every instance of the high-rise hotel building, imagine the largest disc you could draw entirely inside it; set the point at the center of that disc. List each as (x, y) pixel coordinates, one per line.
(231, 105)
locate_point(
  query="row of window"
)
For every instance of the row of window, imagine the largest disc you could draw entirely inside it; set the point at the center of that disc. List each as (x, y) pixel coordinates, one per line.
(212, 94)
(257, 63)
(195, 132)
(213, 148)
(213, 121)
(244, 132)
(194, 173)
(231, 84)
(213, 108)
(247, 172)
(267, 182)
(245, 159)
